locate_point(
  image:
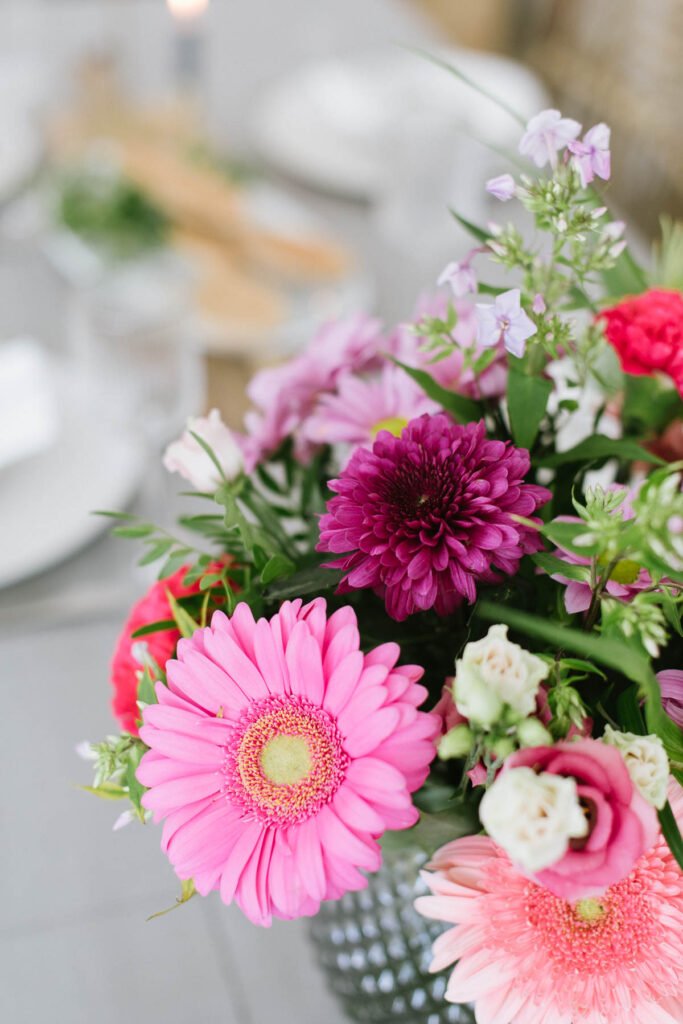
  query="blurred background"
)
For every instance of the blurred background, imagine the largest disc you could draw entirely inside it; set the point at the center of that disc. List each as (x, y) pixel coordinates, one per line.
(188, 188)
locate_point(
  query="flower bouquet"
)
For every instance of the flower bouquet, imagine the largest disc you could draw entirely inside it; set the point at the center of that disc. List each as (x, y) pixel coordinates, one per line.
(435, 598)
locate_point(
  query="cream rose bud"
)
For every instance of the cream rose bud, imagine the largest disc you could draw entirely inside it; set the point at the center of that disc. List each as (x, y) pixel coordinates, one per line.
(494, 672)
(646, 761)
(187, 457)
(533, 816)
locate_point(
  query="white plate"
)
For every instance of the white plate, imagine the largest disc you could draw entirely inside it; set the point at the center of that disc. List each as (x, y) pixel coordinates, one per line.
(46, 500)
(329, 122)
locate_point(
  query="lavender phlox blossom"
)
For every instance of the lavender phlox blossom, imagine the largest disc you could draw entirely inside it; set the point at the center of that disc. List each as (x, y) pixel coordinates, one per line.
(503, 187)
(460, 276)
(547, 133)
(591, 155)
(504, 321)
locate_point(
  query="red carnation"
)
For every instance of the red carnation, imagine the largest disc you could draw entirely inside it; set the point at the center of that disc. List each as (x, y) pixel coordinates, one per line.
(152, 607)
(647, 333)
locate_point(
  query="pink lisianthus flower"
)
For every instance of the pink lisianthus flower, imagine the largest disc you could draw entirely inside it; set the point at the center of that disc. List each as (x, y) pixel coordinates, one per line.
(187, 457)
(622, 824)
(361, 407)
(526, 956)
(284, 396)
(422, 518)
(671, 684)
(453, 372)
(547, 133)
(279, 753)
(591, 155)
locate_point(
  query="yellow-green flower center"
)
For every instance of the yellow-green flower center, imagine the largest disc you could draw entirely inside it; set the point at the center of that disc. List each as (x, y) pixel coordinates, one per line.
(590, 910)
(394, 424)
(286, 760)
(625, 572)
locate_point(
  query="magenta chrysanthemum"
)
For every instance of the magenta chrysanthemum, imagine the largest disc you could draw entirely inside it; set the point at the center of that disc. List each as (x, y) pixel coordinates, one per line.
(526, 956)
(279, 753)
(421, 518)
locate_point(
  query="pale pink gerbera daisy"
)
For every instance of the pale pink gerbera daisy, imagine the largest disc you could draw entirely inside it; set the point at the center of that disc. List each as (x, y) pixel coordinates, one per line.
(279, 753)
(526, 956)
(363, 406)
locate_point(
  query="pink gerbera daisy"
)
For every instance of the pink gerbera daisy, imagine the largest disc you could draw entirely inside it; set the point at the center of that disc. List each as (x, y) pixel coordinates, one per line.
(362, 406)
(422, 517)
(279, 753)
(526, 956)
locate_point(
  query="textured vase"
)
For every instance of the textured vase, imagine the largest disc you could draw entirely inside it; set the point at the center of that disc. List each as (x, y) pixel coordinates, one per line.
(375, 949)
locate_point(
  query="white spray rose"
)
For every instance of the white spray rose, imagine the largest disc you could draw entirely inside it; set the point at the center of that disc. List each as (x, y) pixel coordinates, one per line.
(494, 672)
(533, 816)
(187, 457)
(646, 761)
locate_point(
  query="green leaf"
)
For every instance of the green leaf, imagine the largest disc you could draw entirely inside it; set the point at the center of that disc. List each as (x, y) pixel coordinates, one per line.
(527, 401)
(107, 791)
(133, 532)
(176, 560)
(307, 581)
(556, 566)
(583, 666)
(183, 620)
(135, 788)
(626, 277)
(479, 233)
(648, 404)
(276, 567)
(433, 830)
(565, 535)
(462, 409)
(671, 832)
(628, 710)
(146, 692)
(153, 627)
(156, 551)
(599, 447)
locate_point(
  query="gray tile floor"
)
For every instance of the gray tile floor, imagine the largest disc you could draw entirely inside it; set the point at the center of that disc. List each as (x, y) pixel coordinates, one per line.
(75, 945)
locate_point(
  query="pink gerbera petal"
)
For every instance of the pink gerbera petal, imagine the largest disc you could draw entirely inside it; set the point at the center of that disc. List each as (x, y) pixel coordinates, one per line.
(266, 757)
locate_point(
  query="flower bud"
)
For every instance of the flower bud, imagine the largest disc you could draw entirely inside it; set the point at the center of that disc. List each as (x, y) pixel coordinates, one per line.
(456, 743)
(532, 733)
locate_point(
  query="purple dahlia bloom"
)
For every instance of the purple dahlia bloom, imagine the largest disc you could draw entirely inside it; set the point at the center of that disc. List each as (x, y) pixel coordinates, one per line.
(423, 517)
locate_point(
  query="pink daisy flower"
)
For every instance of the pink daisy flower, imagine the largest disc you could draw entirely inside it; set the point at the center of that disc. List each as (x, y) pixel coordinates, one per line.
(362, 407)
(285, 395)
(526, 956)
(279, 753)
(427, 515)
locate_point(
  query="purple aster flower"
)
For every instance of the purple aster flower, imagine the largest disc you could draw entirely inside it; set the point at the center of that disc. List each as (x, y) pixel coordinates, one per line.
(504, 322)
(460, 276)
(503, 187)
(545, 134)
(422, 518)
(592, 155)
(671, 684)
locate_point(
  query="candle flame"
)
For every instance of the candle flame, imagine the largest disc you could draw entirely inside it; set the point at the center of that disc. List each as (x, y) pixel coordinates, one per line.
(187, 10)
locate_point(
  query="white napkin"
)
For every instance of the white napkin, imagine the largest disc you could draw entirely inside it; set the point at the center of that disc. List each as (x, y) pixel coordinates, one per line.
(29, 415)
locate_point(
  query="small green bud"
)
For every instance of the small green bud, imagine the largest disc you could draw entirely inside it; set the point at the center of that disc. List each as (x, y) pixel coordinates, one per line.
(503, 747)
(532, 733)
(456, 743)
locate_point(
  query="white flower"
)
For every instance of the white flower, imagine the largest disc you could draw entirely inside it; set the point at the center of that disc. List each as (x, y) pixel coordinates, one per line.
(646, 761)
(187, 457)
(84, 749)
(533, 816)
(546, 133)
(494, 672)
